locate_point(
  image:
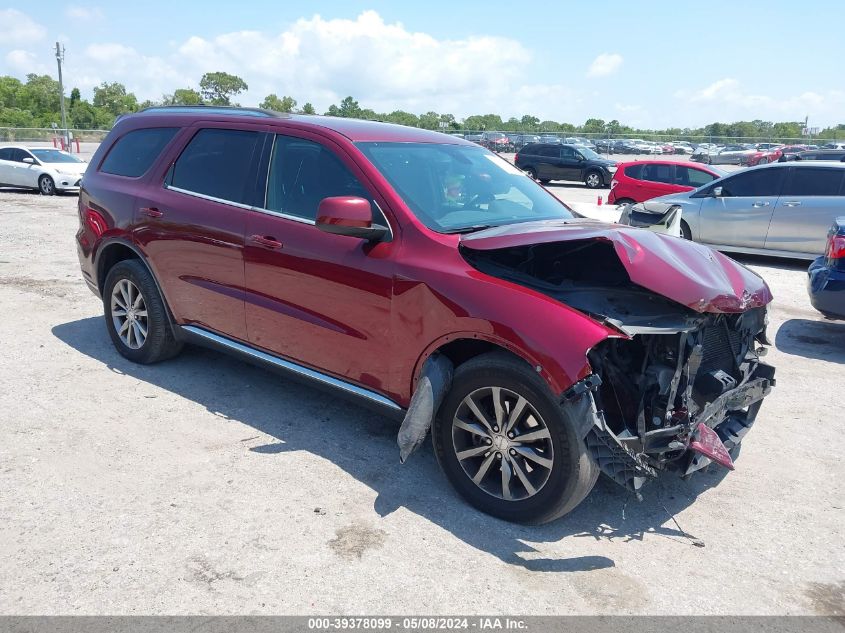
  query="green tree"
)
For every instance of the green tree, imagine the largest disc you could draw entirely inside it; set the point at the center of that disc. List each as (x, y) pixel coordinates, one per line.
(308, 109)
(429, 121)
(403, 118)
(348, 108)
(74, 97)
(40, 95)
(594, 126)
(529, 122)
(183, 96)
(114, 98)
(218, 88)
(10, 92)
(272, 102)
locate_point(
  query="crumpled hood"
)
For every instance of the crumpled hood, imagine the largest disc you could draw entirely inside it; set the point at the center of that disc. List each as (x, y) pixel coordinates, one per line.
(691, 274)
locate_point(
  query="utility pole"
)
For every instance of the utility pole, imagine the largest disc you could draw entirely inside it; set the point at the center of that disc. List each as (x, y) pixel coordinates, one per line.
(60, 57)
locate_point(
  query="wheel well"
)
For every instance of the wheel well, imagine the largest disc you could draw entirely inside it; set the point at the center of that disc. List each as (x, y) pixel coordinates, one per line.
(462, 350)
(112, 254)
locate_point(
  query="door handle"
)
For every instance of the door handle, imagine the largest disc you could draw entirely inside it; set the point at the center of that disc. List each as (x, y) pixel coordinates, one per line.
(760, 204)
(151, 212)
(267, 241)
(792, 203)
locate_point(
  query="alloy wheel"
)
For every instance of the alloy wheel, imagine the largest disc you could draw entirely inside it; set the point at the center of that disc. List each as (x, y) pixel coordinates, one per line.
(502, 443)
(46, 185)
(593, 180)
(129, 314)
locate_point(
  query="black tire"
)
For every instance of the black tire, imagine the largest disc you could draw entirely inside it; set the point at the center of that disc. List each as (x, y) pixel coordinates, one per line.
(686, 233)
(573, 472)
(623, 201)
(545, 181)
(159, 343)
(531, 172)
(593, 179)
(708, 160)
(46, 186)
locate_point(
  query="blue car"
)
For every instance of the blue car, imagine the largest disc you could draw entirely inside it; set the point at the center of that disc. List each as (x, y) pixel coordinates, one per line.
(826, 282)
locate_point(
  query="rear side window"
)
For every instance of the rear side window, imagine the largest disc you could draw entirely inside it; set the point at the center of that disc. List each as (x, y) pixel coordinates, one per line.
(658, 173)
(549, 151)
(814, 181)
(5, 153)
(756, 183)
(634, 171)
(217, 163)
(134, 153)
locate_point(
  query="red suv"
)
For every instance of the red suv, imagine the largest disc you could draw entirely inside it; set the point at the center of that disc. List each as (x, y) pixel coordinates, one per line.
(428, 278)
(646, 179)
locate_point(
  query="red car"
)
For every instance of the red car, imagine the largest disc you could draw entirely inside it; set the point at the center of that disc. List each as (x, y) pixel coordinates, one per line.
(428, 278)
(646, 179)
(763, 157)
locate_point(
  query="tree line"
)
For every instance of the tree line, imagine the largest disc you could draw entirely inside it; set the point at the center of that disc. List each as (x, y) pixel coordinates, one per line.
(36, 103)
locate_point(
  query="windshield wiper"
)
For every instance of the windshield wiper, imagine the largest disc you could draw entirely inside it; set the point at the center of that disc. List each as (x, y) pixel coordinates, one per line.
(469, 229)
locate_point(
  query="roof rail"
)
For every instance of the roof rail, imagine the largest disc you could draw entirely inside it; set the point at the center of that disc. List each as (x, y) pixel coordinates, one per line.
(213, 109)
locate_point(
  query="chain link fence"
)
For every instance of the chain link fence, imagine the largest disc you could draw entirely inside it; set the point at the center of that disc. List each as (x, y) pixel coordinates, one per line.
(48, 135)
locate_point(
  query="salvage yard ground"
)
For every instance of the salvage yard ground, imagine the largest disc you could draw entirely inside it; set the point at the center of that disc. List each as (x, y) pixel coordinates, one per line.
(204, 485)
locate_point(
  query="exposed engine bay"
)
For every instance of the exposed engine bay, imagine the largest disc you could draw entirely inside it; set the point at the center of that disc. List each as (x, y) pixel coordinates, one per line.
(672, 377)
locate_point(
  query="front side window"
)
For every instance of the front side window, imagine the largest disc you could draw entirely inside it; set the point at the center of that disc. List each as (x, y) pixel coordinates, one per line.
(814, 181)
(455, 188)
(217, 163)
(134, 153)
(691, 177)
(302, 173)
(753, 184)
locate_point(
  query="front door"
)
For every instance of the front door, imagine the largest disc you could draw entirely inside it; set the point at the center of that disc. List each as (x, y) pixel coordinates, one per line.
(319, 299)
(571, 166)
(740, 216)
(192, 228)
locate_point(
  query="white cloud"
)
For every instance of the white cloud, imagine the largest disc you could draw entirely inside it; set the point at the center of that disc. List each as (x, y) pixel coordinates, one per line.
(383, 65)
(22, 61)
(727, 99)
(604, 65)
(84, 14)
(19, 28)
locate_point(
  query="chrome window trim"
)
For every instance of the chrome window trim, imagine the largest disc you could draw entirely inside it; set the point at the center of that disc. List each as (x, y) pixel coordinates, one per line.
(295, 368)
(203, 196)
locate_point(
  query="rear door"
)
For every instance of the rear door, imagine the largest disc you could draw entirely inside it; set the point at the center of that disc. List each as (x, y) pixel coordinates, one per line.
(547, 161)
(320, 299)
(6, 165)
(192, 226)
(657, 180)
(741, 215)
(812, 197)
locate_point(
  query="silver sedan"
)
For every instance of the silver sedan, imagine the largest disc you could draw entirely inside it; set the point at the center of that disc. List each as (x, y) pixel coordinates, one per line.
(781, 209)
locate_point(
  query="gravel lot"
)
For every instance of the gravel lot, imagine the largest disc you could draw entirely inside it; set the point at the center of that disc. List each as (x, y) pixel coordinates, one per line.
(204, 485)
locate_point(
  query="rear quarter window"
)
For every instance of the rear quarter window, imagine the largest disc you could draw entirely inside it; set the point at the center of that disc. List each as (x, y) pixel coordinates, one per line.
(634, 171)
(135, 152)
(814, 181)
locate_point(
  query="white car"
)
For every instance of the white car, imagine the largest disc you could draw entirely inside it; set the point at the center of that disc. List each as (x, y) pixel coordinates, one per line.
(43, 168)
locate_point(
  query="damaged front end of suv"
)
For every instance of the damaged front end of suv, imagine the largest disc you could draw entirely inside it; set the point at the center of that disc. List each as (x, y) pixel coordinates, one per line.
(682, 381)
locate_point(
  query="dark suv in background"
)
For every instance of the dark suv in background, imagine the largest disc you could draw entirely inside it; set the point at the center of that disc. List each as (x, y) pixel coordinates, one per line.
(547, 161)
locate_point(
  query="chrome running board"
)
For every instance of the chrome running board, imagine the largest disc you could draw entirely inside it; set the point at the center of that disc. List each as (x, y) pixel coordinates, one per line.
(210, 339)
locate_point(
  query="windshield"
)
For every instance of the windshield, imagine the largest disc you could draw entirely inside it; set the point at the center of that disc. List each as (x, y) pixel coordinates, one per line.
(455, 188)
(587, 153)
(54, 156)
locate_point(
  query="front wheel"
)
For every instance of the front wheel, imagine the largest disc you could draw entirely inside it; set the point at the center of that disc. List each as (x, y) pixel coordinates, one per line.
(507, 446)
(593, 180)
(685, 231)
(46, 185)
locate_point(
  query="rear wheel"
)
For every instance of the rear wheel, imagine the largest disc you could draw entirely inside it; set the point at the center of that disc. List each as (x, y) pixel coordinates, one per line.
(593, 180)
(46, 185)
(135, 314)
(763, 161)
(531, 172)
(623, 201)
(545, 181)
(507, 446)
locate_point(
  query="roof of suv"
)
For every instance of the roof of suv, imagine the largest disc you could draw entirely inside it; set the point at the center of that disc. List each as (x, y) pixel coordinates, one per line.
(353, 129)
